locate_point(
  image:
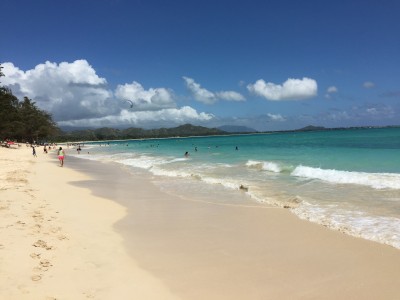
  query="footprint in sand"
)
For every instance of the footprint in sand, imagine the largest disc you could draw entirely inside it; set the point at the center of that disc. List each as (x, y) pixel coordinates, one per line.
(22, 224)
(36, 277)
(35, 255)
(37, 228)
(42, 244)
(62, 237)
(37, 216)
(45, 265)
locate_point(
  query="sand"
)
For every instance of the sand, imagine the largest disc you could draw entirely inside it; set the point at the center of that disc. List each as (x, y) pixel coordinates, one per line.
(57, 241)
(95, 231)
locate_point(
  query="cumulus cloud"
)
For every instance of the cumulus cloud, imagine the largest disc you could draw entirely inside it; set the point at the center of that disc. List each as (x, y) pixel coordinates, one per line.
(76, 96)
(291, 89)
(207, 97)
(230, 96)
(163, 117)
(276, 117)
(330, 90)
(141, 99)
(368, 85)
(67, 90)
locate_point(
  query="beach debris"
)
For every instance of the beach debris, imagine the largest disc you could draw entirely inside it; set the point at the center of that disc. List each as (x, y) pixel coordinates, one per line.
(244, 188)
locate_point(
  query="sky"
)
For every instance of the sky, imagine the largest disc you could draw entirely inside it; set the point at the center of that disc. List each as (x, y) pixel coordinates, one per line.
(267, 65)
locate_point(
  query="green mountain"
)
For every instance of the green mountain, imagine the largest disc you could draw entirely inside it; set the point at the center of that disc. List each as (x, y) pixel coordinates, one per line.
(106, 133)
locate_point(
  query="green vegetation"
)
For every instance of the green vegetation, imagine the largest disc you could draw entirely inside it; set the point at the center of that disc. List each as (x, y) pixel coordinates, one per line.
(135, 133)
(22, 120)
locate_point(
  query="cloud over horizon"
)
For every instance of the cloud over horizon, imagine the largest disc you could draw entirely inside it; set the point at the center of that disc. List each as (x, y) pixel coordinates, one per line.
(141, 99)
(207, 97)
(291, 89)
(152, 119)
(76, 96)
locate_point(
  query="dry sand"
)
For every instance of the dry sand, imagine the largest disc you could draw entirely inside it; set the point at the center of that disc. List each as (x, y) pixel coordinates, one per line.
(96, 231)
(57, 241)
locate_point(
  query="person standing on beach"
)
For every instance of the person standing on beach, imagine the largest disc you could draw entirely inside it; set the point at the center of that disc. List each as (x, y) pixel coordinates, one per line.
(61, 155)
(34, 151)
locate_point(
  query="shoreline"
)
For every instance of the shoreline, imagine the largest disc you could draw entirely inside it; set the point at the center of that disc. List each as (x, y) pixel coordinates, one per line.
(115, 234)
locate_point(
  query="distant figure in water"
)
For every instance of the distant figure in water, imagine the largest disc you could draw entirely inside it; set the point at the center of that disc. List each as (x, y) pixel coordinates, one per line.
(236, 148)
(186, 154)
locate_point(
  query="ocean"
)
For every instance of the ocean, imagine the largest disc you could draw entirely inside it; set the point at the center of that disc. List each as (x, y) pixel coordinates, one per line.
(347, 180)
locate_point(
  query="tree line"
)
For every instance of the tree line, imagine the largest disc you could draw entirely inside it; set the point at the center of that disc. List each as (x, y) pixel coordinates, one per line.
(107, 133)
(23, 120)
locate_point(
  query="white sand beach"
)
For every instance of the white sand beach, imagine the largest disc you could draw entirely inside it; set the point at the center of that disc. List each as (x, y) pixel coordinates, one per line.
(94, 231)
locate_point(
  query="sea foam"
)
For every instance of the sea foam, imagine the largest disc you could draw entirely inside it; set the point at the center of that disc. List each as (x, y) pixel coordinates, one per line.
(382, 229)
(265, 166)
(374, 180)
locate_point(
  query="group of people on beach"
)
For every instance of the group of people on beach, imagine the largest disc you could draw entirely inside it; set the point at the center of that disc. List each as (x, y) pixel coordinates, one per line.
(60, 153)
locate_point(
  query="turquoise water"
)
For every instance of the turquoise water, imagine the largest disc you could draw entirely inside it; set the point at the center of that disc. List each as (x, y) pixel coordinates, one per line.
(348, 180)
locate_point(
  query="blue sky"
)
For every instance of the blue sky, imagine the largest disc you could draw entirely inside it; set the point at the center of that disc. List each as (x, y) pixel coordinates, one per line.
(269, 65)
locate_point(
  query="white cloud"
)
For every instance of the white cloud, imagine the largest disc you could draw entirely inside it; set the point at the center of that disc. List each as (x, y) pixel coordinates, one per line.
(207, 97)
(291, 89)
(338, 116)
(199, 93)
(75, 95)
(368, 85)
(276, 117)
(372, 111)
(67, 90)
(141, 99)
(230, 96)
(163, 117)
(332, 89)
(380, 112)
